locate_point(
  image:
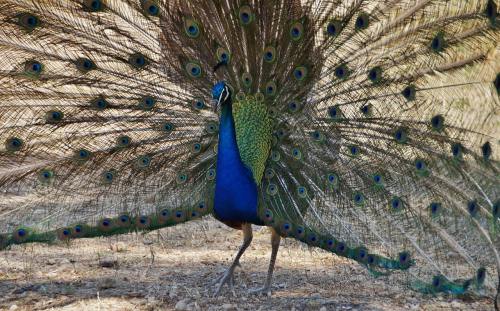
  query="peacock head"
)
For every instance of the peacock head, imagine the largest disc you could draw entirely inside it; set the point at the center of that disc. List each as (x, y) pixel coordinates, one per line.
(221, 94)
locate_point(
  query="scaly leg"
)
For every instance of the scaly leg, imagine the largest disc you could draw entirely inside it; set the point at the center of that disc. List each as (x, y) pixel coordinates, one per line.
(275, 244)
(228, 275)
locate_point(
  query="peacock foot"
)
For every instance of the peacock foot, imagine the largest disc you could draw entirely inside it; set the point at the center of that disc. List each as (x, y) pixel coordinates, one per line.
(264, 290)
(226, 278)
(219, 279)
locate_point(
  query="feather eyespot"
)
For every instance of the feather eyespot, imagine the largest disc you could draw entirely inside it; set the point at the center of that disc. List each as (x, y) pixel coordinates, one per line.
(317, 136)
(33, 68)
(486, 150)
(272, 189)
(435, 209)
(82, 155)
(192, 28)
(302, 192)
(143, 162)
(92, 5)
(300, 73)
(99, 103)
(437, 123)
(378, 180)
(54, 116)
(123, 141)
(396, 204)
(182, 178)
(473, 208)
(354, 151)
(212, 127)
(245, 15)
(223, 55)
(106, 224)
(108, 177)
(28, 21)
(193, 70)
(14, 144)
(438, 43)
(335, 113)
(362, 21)
(495, 209)
(269, 54)
(271, 89)
(46, 175)
(150, 7)
(333, 179)
(137, 60)
(247, 79)
(358, 198)
(366, 110)
(211, 174)
(143, 222)
(167, 127)
(341, 72)
(409, 92)
(333, 28)
(85, 65)
(196, 148)
(296, 31)
(375, 75)
(293, 106)
(421, 167)
(400, 136)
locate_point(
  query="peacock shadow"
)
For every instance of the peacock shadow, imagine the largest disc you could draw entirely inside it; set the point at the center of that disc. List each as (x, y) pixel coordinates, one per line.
(177, 267)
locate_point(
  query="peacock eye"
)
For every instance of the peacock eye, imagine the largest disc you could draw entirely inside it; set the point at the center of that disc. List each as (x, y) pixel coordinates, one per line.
(269, 54)
(300, 73)
(137, 60)
(192, 28)
(245, 15)
(296, 31)
(193, 70)
(333, 28)
(362, 21)
(223, 55)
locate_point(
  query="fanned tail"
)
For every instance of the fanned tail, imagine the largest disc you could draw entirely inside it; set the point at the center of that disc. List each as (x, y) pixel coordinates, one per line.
(390, 158)
(97, 138)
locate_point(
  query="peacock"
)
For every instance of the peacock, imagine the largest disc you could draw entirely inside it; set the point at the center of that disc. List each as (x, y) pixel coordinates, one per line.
(365, 128)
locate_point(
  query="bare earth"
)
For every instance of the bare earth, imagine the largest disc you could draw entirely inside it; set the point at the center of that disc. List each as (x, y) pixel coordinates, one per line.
(172, 269)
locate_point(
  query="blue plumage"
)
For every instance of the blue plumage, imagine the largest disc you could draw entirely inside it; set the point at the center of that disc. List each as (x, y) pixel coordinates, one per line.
(235, 190)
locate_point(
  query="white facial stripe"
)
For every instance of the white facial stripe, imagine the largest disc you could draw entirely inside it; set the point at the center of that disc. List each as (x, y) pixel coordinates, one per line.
(227, 92)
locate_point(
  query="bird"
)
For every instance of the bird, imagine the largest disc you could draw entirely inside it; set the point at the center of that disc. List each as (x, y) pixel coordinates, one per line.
(365, 128)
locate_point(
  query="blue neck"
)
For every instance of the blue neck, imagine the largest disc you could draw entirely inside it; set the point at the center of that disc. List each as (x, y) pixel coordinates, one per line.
(235, 189)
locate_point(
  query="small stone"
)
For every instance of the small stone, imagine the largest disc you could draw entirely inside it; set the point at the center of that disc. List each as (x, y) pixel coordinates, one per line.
(107, 283)
(108, 263)
(182, 305)
(229, 306)
(119, 247)
(65, 261)
(323, 308)
(456, 305)
(13, 307)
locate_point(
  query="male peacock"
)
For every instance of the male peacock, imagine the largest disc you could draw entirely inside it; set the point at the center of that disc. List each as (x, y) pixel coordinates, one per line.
(367, 128)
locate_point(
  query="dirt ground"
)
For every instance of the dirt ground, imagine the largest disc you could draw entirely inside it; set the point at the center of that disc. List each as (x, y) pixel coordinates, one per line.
(172, 269)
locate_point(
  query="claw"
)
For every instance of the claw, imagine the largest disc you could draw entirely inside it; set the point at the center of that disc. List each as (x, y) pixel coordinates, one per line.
(226, 278)
(219, 279)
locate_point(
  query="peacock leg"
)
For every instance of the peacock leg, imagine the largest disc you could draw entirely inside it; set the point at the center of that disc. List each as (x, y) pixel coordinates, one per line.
(275, 244)
(227, 277)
